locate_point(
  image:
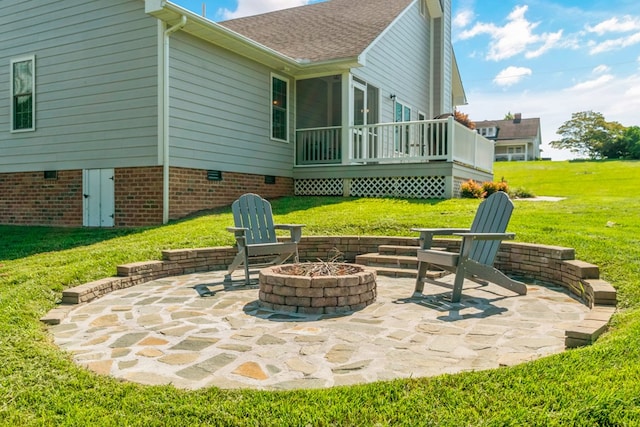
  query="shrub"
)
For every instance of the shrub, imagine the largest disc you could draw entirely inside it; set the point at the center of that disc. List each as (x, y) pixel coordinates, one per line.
(473, 190)
(522, 193)
(489, 187)
(463, 119)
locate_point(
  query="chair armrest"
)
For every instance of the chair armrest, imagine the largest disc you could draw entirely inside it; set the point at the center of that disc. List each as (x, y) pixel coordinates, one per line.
(240, 234)
(487, 236)
(294, 229)
(468, 238)
(426, 234)
(238, 231)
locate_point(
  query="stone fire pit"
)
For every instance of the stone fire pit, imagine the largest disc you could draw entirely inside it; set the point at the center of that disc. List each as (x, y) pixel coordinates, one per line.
(291, 289)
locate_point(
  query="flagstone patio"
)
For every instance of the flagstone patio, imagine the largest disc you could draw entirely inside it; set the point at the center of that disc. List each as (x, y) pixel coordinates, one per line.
(192, 332)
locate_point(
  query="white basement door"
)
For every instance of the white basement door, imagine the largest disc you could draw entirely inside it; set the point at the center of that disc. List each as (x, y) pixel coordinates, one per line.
(99, 197)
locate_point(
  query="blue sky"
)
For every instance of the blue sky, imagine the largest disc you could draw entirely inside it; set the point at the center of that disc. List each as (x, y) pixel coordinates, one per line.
(541, 58)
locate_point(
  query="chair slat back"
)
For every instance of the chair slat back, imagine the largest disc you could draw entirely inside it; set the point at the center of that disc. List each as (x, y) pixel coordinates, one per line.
(254, 213)
(493, 216)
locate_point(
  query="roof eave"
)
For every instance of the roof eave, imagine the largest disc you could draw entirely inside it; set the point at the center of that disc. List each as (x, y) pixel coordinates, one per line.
(225, 38)
(459, 95)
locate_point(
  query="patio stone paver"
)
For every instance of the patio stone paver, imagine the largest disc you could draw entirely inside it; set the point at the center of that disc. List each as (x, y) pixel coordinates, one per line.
(189, 332)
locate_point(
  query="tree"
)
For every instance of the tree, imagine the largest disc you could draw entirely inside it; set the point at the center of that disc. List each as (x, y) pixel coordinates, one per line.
(463, 119)
(630, 139)
(616, 147)
(509, 116)
(588, 133)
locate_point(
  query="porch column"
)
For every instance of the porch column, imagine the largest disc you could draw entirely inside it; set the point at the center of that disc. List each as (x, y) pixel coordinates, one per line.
(347, 118)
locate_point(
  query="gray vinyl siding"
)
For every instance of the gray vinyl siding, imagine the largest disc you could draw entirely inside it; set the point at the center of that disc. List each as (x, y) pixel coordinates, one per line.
(96, 84)
(399, 63)
(220, 111)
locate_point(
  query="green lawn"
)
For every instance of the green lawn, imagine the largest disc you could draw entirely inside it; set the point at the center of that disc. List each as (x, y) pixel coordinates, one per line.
(596, 385)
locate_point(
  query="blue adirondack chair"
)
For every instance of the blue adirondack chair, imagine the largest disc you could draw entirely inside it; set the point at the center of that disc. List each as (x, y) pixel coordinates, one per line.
(478, 249)
(255, 235)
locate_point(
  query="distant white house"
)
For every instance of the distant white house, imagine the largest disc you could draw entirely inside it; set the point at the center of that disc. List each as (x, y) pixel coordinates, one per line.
(515, 139)
(135, 112)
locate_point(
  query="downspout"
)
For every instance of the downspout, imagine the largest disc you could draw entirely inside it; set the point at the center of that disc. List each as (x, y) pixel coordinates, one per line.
(165, 117)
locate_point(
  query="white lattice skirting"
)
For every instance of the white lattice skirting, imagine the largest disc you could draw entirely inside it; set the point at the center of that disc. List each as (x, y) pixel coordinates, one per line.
(319, 187)
(415, 187)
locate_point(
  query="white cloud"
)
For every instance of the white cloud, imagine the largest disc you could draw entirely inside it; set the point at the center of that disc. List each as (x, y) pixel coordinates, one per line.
(515, 37)
(615, 44)
(550, 41)
(601, 69)
(255, 7)
(592, 84)
(615, 25)
(463, 18)
(511, 75)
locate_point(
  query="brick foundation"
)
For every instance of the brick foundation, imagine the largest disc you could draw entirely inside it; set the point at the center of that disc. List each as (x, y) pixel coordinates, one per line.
(27, 198)
(191, 191)
(138, 196)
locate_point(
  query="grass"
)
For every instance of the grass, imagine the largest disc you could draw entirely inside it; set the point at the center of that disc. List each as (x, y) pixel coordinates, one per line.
(595, 385)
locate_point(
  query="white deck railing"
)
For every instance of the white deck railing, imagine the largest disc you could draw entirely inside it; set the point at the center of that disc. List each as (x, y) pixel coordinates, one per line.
(404, 142)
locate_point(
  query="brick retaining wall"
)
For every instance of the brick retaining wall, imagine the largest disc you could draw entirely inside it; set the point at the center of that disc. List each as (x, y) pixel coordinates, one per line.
(532, 262)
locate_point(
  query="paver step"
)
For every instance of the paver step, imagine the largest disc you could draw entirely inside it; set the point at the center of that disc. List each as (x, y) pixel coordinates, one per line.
(405, 272)
(402, 250)
(394, 272)
(392, 261)
(398, 250)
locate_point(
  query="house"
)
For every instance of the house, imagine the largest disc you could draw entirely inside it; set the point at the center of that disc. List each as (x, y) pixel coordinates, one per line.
(135, 112)
(516, 138)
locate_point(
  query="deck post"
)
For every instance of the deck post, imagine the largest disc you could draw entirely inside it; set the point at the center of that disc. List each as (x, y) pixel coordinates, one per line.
(346, 187)
(449, 187)
(451, 137)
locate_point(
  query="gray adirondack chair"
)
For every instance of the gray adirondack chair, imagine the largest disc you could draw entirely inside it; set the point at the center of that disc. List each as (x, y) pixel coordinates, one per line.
(255, 235)
(478, 249)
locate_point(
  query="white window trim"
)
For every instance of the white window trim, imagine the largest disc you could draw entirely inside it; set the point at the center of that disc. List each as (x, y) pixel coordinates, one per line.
(288, 109)
(404, 108)
(488, 132)
(31, 58)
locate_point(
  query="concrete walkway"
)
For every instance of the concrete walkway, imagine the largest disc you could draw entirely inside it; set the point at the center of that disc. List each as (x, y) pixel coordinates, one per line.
(190, 332)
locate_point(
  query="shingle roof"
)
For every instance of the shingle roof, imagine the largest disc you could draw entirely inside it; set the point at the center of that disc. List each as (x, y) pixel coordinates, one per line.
(330, 30)
(511, 129)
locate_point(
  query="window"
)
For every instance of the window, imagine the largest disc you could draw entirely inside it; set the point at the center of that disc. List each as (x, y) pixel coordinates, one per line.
(23, 94)
(488, 132)
(402, 114)
(279, 108)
